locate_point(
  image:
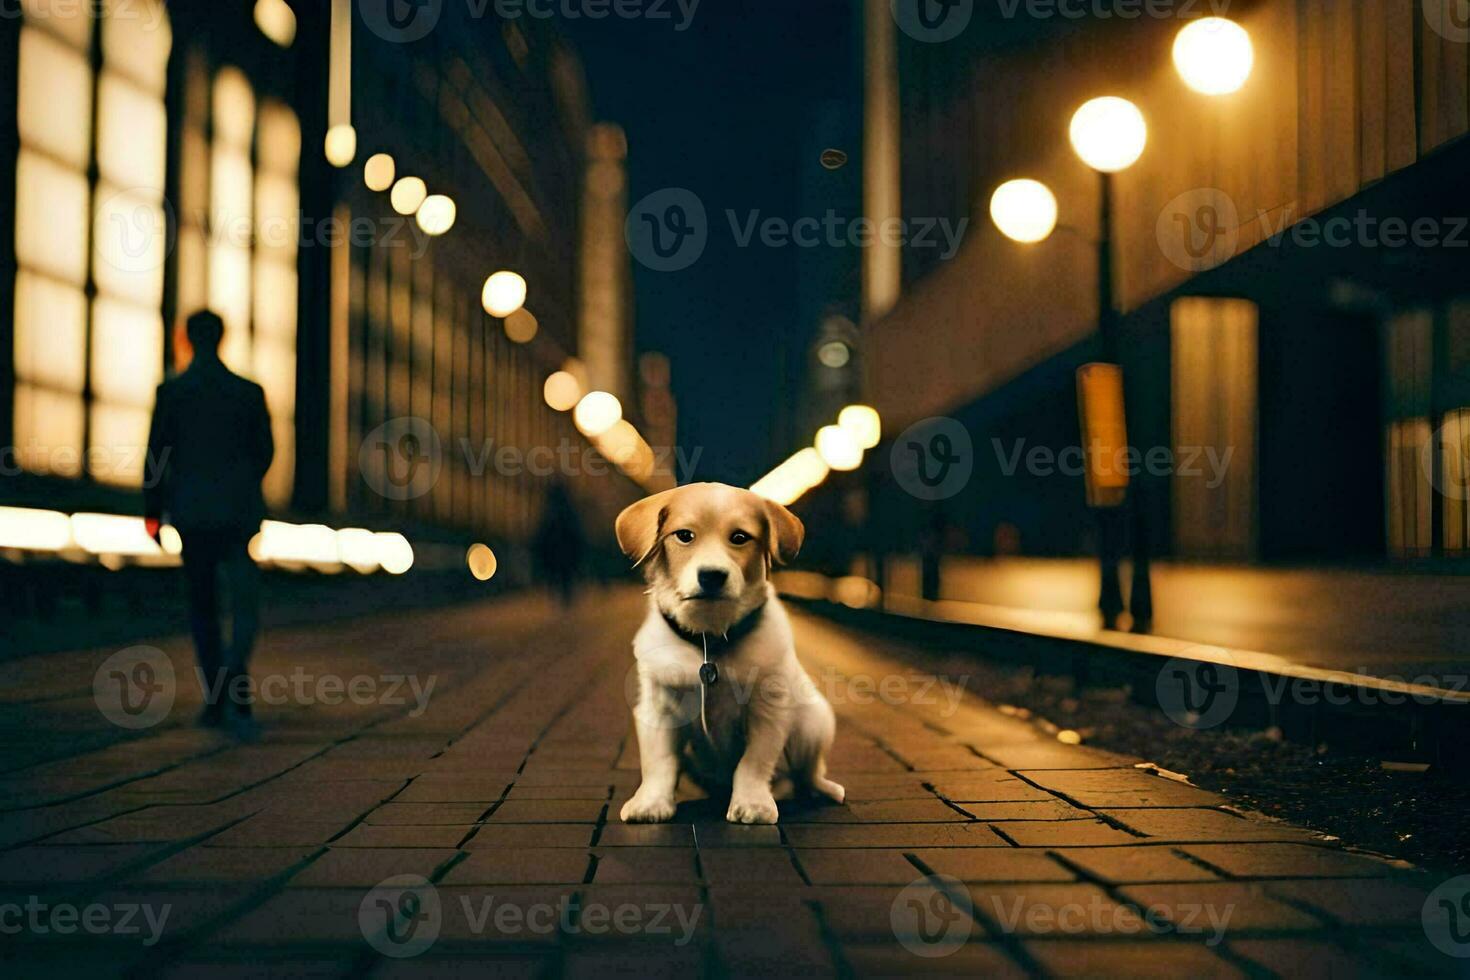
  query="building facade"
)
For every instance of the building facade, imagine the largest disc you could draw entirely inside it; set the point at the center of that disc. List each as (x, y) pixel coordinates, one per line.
(1294, 281)
(166, 158)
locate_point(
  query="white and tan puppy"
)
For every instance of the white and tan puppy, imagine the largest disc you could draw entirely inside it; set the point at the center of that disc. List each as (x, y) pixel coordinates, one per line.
(761, 727)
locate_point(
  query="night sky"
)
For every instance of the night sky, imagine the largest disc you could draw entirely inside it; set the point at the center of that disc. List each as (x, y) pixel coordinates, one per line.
(721, 109)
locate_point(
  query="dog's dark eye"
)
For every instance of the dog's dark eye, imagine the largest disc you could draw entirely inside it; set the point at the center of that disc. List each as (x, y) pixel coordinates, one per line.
(685, 535)
(739, 537)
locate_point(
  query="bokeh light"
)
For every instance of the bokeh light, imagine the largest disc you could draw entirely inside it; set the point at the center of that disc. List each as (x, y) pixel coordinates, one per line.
(1214, 56)
(1109, 134)
(794, 477)
(597, 412)
(379, 171)
(408, 194)
(276, 20)
(482, 562)
(436, 215)
(504, 293)
(864, 424)
(341, 145)
(1024, 210)
(838, 448)
(521, 326)
(834, 354)
(395, 554)
(562, 392)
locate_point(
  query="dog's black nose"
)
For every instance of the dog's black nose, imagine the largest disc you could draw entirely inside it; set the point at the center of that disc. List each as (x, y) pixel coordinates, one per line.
(712, 579)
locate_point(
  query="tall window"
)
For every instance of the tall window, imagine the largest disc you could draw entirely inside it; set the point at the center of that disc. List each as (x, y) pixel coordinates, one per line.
(277, 207)
(1409, 372)
(85, 372)
(1454, 439)
(238, 240)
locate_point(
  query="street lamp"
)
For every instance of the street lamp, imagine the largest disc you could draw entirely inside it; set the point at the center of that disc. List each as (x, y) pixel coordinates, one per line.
(1025, 211)
(341, 145)
(864, 422)
(596, 413)
(1109, 134)
(408, 194)
(839, 448)
(1214, 56)
(436, 214)
(504, 293)
(562, 391)
(379, 172)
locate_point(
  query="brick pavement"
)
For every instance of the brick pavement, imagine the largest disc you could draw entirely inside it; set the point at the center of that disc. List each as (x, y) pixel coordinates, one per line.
(967, 832)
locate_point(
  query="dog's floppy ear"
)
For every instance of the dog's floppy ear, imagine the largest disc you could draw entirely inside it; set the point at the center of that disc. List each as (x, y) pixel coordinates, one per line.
(786, 532)
(638, 526)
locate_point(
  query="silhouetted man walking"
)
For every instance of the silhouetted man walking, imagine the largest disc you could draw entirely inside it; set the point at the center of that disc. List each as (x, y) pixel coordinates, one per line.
(560, 542)
(212, 433)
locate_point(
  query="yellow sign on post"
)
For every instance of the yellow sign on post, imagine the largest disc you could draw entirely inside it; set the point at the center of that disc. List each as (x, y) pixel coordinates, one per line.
(1104, 433)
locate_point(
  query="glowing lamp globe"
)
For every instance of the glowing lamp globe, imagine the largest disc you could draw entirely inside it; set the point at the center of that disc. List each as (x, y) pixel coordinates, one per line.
(408, 194)
(1109, 134)
(341, 145)
(596, 413)
(562, 392)
(838, 448)
(482, 562)
(1214, 56)
(864, 424)
(504, 293)
(1024, 210)
(378, 172)
(521, 326)
(436, 215)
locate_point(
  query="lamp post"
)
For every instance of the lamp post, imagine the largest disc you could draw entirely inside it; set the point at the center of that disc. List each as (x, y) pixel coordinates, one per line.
(1109, 135)
(1213, 56)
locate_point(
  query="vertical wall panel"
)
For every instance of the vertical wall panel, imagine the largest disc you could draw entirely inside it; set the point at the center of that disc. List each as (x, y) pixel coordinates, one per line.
(1401, 20)
(1214, 396)
(1372, 88)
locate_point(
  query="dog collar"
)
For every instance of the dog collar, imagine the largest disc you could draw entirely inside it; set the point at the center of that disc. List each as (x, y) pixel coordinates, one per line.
(714, 644)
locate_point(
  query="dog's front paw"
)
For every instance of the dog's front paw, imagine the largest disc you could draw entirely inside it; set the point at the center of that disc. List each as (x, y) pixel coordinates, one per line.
(752, 810)
(648, 809)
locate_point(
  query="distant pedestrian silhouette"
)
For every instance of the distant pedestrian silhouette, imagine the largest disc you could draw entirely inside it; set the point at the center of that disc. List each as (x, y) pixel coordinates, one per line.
(211, 440)
(560, 542)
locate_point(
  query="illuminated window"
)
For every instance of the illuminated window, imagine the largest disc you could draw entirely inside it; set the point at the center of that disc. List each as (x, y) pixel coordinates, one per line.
(1410, 527)
(86, 371)
(232, 214)
(239, 226)
(129, 238)
(69, 231)
(277, 206)
(1409, 371)
(1454, 442)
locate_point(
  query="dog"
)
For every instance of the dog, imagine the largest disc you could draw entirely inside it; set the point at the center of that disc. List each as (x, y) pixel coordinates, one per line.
(721, 695)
